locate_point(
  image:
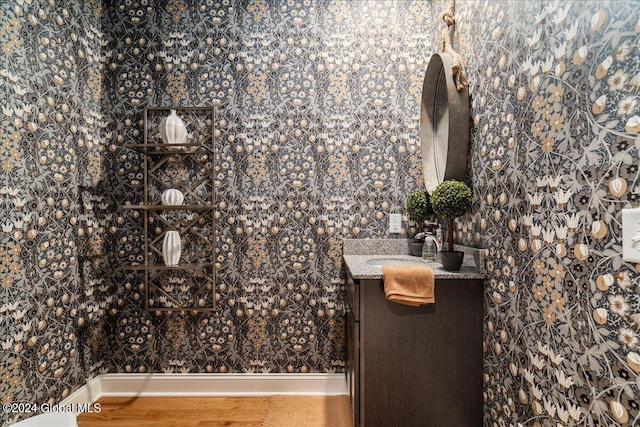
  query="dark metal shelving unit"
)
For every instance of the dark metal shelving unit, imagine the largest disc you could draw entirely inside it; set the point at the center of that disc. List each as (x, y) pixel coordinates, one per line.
(194, 221)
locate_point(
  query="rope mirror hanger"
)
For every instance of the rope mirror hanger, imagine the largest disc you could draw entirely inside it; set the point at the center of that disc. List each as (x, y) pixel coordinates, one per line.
(457, 68)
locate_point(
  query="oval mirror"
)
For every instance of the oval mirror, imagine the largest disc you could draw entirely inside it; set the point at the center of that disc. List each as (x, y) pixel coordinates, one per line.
(444, 124)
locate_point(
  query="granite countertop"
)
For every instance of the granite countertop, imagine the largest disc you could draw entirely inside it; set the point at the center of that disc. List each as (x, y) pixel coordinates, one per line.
(361, 256)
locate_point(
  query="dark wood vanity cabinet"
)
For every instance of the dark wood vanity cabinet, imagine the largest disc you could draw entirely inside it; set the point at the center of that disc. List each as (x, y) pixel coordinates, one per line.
(414, 366)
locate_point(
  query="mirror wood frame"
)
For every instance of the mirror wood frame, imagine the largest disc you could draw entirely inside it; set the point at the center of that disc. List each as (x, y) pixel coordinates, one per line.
(444, 124)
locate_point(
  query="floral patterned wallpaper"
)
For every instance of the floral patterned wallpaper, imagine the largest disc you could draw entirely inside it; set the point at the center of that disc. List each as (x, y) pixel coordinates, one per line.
(317, 116)
(554, 160)
(53, 215)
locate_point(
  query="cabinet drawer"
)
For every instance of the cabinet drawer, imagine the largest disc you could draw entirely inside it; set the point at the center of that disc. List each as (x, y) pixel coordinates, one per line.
(353, 293)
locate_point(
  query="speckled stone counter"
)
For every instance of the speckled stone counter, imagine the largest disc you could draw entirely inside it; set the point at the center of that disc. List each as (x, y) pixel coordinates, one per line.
(363, 258)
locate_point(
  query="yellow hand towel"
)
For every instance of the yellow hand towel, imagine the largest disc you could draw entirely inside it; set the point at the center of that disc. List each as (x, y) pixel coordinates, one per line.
(411, 284)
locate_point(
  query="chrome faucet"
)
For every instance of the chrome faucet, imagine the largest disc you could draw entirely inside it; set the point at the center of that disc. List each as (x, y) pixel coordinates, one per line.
(424, 234)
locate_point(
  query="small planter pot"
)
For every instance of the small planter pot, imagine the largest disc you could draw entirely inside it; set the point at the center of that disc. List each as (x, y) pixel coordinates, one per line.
(451, 260)
(415, 248)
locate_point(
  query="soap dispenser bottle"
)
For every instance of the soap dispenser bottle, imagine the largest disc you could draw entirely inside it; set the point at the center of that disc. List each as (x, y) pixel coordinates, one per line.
(430, 247)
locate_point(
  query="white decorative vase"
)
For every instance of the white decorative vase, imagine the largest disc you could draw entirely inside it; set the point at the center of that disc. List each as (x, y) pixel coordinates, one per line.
(171, 248)
(173, 130)
(172, 197)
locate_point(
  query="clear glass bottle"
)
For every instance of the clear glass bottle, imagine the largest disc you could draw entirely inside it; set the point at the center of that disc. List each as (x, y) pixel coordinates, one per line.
(430, 247)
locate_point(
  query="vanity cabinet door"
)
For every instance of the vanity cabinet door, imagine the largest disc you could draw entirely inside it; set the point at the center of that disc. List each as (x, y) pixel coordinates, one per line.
(421, 366)
(352, 336)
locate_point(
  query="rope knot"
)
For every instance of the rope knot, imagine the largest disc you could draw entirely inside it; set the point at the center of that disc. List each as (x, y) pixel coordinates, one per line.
(457, 69)
(448, 18)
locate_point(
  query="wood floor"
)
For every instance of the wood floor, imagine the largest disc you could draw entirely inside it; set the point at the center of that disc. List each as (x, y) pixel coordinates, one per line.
(178, 412)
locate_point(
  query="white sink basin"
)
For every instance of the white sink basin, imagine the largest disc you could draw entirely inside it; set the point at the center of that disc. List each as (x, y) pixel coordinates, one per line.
(394, 261)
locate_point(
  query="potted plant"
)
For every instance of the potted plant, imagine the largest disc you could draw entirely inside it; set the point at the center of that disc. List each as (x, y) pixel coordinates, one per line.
(419, 208)
(451, 199)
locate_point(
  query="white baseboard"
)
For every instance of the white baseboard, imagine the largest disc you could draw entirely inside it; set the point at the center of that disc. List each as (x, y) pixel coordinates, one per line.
(221, 384)
(186, 385)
